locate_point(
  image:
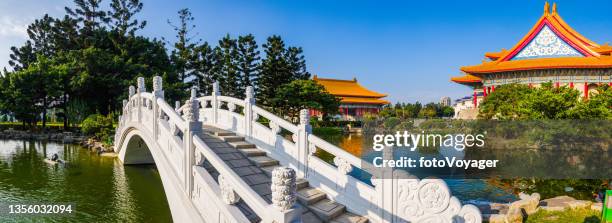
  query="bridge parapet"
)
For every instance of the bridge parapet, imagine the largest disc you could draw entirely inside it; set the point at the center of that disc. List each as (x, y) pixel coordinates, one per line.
(182, 152)
(178, 135)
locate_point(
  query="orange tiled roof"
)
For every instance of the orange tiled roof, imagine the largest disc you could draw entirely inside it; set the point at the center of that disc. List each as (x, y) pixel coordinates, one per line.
(363, 100)
(466, 79)
(595, 56)
(348, 88)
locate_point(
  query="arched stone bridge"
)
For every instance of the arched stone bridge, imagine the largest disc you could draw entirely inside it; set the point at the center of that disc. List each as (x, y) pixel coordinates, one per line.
(220, 163)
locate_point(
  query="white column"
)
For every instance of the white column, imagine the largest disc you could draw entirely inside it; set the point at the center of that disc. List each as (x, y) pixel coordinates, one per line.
(141, 88)
(249, 101)
(304, 129)
(194, 127)
(158, 92)
(131, 92)
(215, 103)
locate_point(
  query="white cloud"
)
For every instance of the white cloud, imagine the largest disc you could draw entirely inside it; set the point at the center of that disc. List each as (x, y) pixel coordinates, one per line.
(13, 27)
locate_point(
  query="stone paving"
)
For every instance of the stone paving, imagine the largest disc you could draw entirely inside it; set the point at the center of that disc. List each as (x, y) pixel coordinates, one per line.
(254, 167)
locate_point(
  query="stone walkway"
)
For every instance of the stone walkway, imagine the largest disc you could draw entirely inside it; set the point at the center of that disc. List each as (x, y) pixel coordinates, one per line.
(255, 168)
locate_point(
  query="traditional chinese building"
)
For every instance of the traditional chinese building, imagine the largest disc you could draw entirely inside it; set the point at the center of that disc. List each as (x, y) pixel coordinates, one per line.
(551, 51)
(356, 100)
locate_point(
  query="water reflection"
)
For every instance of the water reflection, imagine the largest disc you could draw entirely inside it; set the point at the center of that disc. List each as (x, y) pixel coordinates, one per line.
(102, 189)
(527, 167)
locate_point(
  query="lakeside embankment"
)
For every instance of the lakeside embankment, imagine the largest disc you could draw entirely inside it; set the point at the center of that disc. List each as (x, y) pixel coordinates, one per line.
(60, 137)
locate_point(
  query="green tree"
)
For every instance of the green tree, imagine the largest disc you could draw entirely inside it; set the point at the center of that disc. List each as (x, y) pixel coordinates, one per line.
(183, 55)
(248, 65)
(33, 90)
(204, 66)
(519, 102)
(429, 111)
(230, 76)
(304, 94)
(502, 103)
(280, 66)
(89, 13)
(122, 15)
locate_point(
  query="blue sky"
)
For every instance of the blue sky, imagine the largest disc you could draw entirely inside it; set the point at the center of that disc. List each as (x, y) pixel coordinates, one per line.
(407, 49)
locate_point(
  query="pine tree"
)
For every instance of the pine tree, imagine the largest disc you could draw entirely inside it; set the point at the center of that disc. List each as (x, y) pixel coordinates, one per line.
(22, 57)
(122, 16)
(274, 71)
(229, 69)
(297, 63)
(248, 62)
(89, 13)
(203, 69)
(183, 56)
(280, 66)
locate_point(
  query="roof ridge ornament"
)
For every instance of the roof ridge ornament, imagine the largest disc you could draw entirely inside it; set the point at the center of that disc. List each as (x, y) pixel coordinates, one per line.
(554, 8)
(546, 8)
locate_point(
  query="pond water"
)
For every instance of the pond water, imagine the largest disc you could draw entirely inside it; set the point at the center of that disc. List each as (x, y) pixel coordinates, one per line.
(100, 188)
(486, 188)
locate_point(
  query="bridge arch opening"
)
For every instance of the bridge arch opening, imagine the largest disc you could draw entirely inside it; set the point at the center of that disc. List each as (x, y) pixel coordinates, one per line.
(137, 152)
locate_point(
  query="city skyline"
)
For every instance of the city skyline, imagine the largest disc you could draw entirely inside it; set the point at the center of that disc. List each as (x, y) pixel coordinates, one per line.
(407, 50)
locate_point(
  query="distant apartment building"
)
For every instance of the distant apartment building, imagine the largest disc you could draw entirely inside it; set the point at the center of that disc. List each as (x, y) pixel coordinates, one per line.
(445, 101)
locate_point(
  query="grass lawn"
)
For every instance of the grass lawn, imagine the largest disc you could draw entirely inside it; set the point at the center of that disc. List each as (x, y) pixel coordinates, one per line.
(567, 216)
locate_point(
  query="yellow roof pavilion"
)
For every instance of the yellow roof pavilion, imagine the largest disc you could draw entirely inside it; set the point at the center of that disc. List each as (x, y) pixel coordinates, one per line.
(350, 91)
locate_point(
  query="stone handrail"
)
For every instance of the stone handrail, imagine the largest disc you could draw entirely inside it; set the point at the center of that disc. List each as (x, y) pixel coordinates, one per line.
(173, 115)
(275, 119)
(316, 142)
(234, 184)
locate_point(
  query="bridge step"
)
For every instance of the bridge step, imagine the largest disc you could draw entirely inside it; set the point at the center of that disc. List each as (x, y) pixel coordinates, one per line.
(310, 217)
(253, 152)
(350, 218)
(223, 133)
(242, 145)
(263, 161)
(327, 209)
(268, 169)
(316, 206)
(301, 183)
(232, 138)
(309, 195)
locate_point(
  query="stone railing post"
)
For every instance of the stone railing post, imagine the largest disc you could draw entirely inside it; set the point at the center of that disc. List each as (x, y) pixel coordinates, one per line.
(141, 88)
(177, 105)
(304, 129)
(194, 128)
(383, 184)
(284, 195)
(158, 92)
(249, 101)
(124, 108)
(214, 102)
(131, 92)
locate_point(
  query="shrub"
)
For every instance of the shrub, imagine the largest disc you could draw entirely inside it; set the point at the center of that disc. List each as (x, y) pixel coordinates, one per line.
(99, 126)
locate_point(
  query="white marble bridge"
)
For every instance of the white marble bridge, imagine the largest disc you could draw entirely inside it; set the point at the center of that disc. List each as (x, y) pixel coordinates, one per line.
(219, 162)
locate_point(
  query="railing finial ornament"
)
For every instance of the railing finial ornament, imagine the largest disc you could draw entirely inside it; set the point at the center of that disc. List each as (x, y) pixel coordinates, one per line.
(216, 90)
(283, 188)
(304, 116)
(131, 91)
(250, 92)
(177, 105)
(140, 81)
(192, 111)
(158, 89)
(194, 93)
